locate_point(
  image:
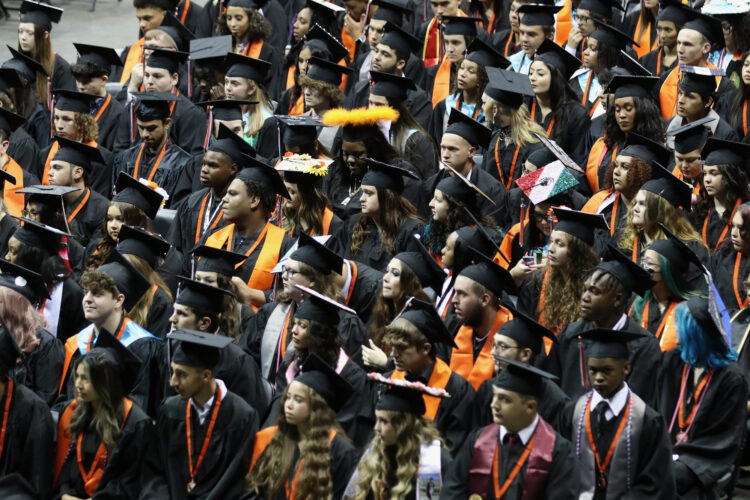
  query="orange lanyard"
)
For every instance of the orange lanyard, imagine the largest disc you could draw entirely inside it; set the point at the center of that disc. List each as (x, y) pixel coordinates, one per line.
(601, 467)
(207, 439)
(662, 323)
(353, 272)
(702, 385)
(533, 113)
(200, 218)
(156, 163)
(500, 491)
(726, 226)
(8, 398)
(184, 12)
(512, 164)
(458, 106)
(737, 260)
(80, 206)
(125, 322)
(104, 106)
(613, 217)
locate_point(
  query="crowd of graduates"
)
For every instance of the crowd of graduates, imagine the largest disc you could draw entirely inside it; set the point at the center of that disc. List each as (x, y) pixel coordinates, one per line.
(386, 249)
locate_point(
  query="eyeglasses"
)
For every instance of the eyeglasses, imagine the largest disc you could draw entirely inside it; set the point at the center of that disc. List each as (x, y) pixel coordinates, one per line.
(726, 27)
(357, 156)
(581, 19)
(30, 214)
(288, 271)
(503, 347)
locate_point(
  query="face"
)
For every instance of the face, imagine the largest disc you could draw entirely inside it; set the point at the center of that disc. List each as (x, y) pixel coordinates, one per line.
(216, 170)
(33, 211)
(392, 280)
(85, 392)
(607, 375)
(314, 98)
(531, 38)
(466, 304)
(14, 247)
(455, 46)
(61, 173)
(302, 24)
(557, 252)
(585, 22)
(159, 80)
(375, 32)
(691, 47)
(114, 221)
(728, 31)
(149, 18)
(236, 126)
(690, 105)
(384, 429)
(376, 100)
(65, 124)
(188, 380)
(153, 132)
(456, 151)
(386, 60)
(354, 154)
(238, 22)
(26, 37)
(689, 163)
(447, 252)
(208, 277)
(625, 113)
(739, 238)
(596, 301)
(297, 404)
(409, 357)
(92, 85)
(183, 317)
(98, 305)
(541, 218)
(506, 347)
(236, 87)
(291, 276)
(639, 209)
(369, 200)
(294, 200)
(236, 201)
(439, 206)
(620, 173)
(467, 75)
(590, 53)
(510, 409)
(540, 77)
(713, 180)
(650, 262)
(301, 334)
(746, 71)
(303, 60)
(666, 32)
(444, 7)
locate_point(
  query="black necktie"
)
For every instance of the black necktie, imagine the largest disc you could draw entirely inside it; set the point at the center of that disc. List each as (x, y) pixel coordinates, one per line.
(598, 414)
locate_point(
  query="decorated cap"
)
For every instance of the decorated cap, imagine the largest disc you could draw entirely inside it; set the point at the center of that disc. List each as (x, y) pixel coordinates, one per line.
(700, 310)
(460, 25)
(132, 191)
(607, 343)
(553, 55)
(9, 350)
(323, 70)
(141, 243)
(200, 296)
(9, 121)
(214, 48)
(390, 86)
(102, 57)
(521, 378)
(471, 130)
(537, 14)
(166, 59)
(392, 11)
(691, 137)
(702, 81)
(130, 282)
(124, 361)
(526, 330)
(216, 260)
(647, 150)
(360, 123)
(508, 87)
(720, 152)
(153, 105)
(317, 255)
(232, 145)
(664, 184)
(429, 273)
(579, 224)
(611, 36)
(484, 271)
(400, 40)
(631, 276)
(197, 349)
(41, 14)
(264, 174)
(318, 307)
(323, 379)
(28, 283)
(404, 396)
(484, 55)
(546, 182)
(247, 67)
(632, 86)
(308, 173)
(385, 176)
(69, 100)
(77, 153)
(425, 318)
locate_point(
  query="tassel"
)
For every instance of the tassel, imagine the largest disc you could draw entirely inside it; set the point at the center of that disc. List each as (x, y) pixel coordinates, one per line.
(190, 79)
(584, 378)
(522, 226)
(367, 16)
(209, 128)
(132, 121)
(51, 106)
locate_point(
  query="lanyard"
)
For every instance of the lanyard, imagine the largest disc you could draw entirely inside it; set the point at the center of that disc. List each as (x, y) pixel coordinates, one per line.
(207, 439)
(80, 206)
(500, 491)
(156, 163)
(512, 164)
(737, 260)
(601, 467)
(662, 323)
(634, 256)
(507, 44)
(613, 217)
(125, 322)
(726, 226)
(206, 223)
(699, 392)
(185, 12)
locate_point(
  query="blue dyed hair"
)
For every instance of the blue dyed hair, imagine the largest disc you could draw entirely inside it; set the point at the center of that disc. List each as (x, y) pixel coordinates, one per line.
(697, 348)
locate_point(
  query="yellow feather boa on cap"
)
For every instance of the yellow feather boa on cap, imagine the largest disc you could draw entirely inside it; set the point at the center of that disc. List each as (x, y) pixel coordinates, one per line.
(359, 117)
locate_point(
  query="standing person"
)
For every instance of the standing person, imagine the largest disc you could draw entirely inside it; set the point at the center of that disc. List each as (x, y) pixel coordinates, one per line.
(204, 433)
(544, 463)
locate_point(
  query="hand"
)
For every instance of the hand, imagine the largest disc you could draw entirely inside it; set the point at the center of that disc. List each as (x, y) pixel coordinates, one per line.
(217, 92)
(574, 38)
(374, 357)
(136, 77)
(520, 272)
(249, 296)
(353, 26)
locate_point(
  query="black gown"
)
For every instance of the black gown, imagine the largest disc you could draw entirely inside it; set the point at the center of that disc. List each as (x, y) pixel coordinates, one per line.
(502, 157)
(71, 319)
(100, 177)
(108, 122)
(417, 101)
(62, 76)
(182, 233)
(579, 123)
(41, 369)
(8, 226)
(88, 222)
(716, 228)
(157, 319)
(24, 149)
(652, 59)
(38, 126)
(730, 284)
(364, 291)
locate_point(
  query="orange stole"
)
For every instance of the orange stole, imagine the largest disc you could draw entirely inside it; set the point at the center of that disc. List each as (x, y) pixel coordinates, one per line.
(135, 56)
(563, 23)
(299, 107)
(442, 86)
(349, 43)
(598, 150)
(253, 50)
(441, 374)
(678, 173)
(263, 438)
(462, 357)
(644, 41)
(597, 199)
(14, 201)
(668, 91)
(506, 247)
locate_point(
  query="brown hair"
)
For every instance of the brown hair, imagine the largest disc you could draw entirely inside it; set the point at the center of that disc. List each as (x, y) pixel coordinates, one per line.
(131, 216)
(97, 281)
(638, 173)
(44, 55)
(21, 318)
(393, 213)
(309, 215)
(329, 91)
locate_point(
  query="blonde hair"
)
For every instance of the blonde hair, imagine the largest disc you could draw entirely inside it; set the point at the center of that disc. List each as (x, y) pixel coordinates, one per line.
(255, 118)
(139, 312)
(162, 36)
(522, 127)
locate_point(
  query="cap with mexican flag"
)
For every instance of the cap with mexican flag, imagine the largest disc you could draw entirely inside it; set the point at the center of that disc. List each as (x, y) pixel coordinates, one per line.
(544, 183)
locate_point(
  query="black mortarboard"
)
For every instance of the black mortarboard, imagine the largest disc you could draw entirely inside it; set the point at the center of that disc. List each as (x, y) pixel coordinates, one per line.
(632, 66)
(226, 109)
(232, 145)
(679, 255)
(130, 190)
(541, 156)
(426, 319)
(141, 243)
(9, 121)
(318, 307)
(460, 25)
(178, 31)
(526, 330)
(631, 276)
(664, 184)
(317, 255)
(245, 4)
(552, 54)
(217, 260)
(9, 79)
(41, 14)
(392, 11)
(464, 126)
(126, 362)
(484, 55)
(197, 349)
(324, 8)
(488, 274)
(429, 273)
(699, 308)
(36, 234)
(264, 174)
(28, 283)
(476, 237)
(69, 100)
(247, 67)
(397, 38)
(326, 71)
(211, 48)
(601, 7)
(323, 379)
(708, 26)
(77, 153)
(200, 295)
(460, 188)
(299, 130)
(130, 282)
(166, 59)
(702, 81)
(9, 350)
(537, 14)
(391, 86)
(153, 105)
(508, 87)
(720, 152)
(24, 64)
(579, 224)
(48, 195)
(385, 176)
(521, 378)
(6, 177)
(611, 36)
(675, 11)
(647, 150)
(401, 398)
(103, 57)
(335, 48)
(692, 136)
(607, 343)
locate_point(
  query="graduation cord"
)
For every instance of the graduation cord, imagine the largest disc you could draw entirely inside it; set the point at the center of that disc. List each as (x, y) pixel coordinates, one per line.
(500, 491)
(704, 232)
(207, 439)
(8, 398)
(152, 171)
(700, 391)
(104, 106)
(80, 206)
(459, 105)
(735, 275)
(512, 163)
(533, 114)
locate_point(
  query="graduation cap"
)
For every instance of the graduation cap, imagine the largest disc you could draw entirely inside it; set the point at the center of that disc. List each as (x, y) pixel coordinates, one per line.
(333, 46)
(541, 156)
(579, 224)
(429, 273)
(676, 12)
(177, 31)
(691, 137)
(606, 343)
(326, 71)
(631, 276)
(526, 330)
(391, 86)
(632, 66)
(130, 282)
(508, 87)
(166, 59)
(264, 174)
(679, 255)
(385, 176)
(488, 274)
(36, 234)
(28, 283)
(611, 36)
(460, 25)
(226, 109)
(360, 123)
(41, 14)
(460, 188)
(317, 255)
(324, 7)
(307, 173)
(647, 150)
(426, 319)
(48, 195)
(700, 310)
(77, 153)
(538, 14)
(471, 130)
(403, 396)
(141, 243)
(9, 350)
(153, 105)
(708, 26)
(392, 11)
(128, 364)
(721, 152)
(245, 4)
(132, 191)
(401, 41)
(232, 145)
(6, 177)
(69, 100)
(101, 57)
(323, 379)
(476, 237)
(216, 260)
(9, 79)
(247, 67)
(664, 184)
(200, 296)
(553, 55)
(9, 121)
(484, 55)
(25, 65)
(601, 7)
(546, 182)
(211, 48)
(702, 81)
(197, 349)
(521, 378)
(318, 307)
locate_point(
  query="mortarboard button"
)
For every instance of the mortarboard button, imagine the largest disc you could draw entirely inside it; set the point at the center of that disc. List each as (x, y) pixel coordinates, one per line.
(127, 363)
(392, 11)
(200, 296)
(403, 42)
(611, 36)
(471, 130)
(326, 71)
(460, 25)
(601, 7)
(721, 152)
(526, 330)
(607, 343)
(426, 319)
(391, 86)
(632, 86)
(69, 100)
(552, 54)
(335, 48)
(708, 26)
(232, 145)
(535, 14)
(484, 55)
(264, 174)
(508, 87)
(28, 283)
(309, 251)
(488, 274)
(77, 153)
(24, 64)
(647, 150)
(323, 379)
(692, 136)
(36, 234)
(153, 105)
(166, 59)
(226, 109)
(423, 265)
(215, 47)
(631, 276)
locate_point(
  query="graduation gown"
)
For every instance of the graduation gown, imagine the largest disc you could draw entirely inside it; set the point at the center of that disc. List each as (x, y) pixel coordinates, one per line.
(157, 319)
(107, 116)
(440, 113)
(714, 229)
(504, 161)
(62, 76)
(183, 235)
(418, 150)
(578, 122)
(227, 458)
(654, 62)
(90, 210)
(729, 274)
(121, 477)
(363, 289)
(8, 226)
(100, 176)
(71, 319)
(503, 42)
(716, 433)
(24, 149)
(41, 369)
(266, 143)
(417, 101)
(38, 126)
(196, 19)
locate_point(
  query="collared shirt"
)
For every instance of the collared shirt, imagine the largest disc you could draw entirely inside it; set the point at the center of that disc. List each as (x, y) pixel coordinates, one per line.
(525, 433)
(520, 62)
(615, 404)
(203, 412)
(621, 322)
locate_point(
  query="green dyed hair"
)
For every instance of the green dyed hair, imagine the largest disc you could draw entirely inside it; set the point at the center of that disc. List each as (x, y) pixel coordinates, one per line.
(675, 283)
